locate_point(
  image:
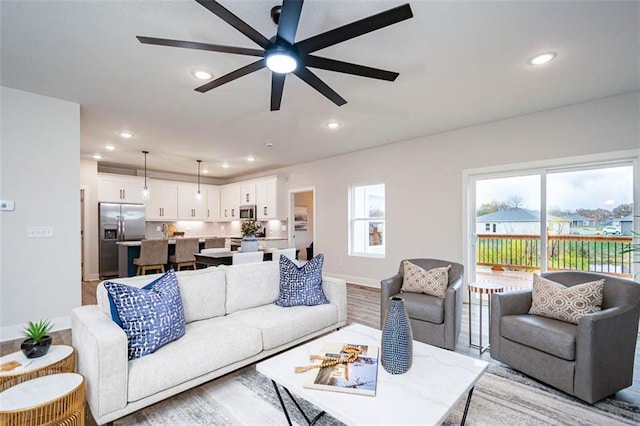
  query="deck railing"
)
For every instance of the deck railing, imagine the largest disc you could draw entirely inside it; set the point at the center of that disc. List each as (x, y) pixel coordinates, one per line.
(596, 253)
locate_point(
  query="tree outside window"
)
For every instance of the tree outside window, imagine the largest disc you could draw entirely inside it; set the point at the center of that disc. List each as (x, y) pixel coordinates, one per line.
(367, 220)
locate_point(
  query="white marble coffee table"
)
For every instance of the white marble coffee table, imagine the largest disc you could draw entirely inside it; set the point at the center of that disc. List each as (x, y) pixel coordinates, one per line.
(426, 394)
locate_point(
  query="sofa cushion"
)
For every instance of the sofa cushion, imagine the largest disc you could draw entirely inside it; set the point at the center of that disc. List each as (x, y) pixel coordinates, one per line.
(557, 338)
(206, 346)
(150, 317)
(251, 285)
(203, 292)
(553, 300)
(433, 281)
(280, 325)
(423, 307)
(301, 285)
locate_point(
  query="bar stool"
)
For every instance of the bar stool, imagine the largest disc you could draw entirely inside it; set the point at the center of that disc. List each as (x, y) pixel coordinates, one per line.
(153, 256)
(214, 243)
(185, 248)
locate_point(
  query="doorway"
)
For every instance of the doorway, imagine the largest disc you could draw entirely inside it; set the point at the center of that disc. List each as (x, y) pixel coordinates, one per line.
(82, 222)
(302, 227)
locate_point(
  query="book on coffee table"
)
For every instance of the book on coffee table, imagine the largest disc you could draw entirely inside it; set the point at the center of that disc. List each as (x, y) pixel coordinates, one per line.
(358, 377)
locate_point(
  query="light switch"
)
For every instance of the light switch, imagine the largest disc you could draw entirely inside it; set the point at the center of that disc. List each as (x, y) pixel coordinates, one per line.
(7, 205)
(40, 232)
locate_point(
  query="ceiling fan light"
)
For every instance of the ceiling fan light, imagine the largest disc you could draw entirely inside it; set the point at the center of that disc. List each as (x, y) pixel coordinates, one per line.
(281, 63)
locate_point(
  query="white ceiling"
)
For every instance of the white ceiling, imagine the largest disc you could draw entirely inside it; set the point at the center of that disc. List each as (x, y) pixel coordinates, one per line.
(460, 64)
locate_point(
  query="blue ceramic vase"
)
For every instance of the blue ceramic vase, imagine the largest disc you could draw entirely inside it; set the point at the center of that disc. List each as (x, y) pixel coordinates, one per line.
(249, 243)
(397, 338)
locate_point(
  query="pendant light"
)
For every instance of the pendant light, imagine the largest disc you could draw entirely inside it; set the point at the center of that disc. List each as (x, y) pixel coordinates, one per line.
(145, 189)
(199, 194)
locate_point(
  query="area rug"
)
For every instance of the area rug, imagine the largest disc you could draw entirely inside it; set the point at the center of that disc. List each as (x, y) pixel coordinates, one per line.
(501, 397)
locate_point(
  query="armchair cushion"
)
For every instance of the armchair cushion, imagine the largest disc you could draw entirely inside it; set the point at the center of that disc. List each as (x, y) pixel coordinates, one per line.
(557, 338)
(419, 280)
(553, 300)
(424, 307)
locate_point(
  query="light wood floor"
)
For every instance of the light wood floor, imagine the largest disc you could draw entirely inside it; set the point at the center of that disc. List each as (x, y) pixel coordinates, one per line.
(363, 306)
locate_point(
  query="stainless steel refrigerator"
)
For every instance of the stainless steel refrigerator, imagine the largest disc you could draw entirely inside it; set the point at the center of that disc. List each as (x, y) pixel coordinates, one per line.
(118, 222)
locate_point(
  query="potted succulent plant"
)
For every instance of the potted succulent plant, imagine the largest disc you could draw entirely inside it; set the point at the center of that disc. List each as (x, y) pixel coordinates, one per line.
(37, 340)
(249, 241)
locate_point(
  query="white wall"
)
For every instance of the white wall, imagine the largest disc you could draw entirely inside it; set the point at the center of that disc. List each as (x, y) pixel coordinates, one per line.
(423, 178)
(40, 146)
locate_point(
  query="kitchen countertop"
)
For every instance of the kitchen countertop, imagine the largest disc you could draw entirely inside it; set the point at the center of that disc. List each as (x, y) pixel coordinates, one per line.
(173, 240)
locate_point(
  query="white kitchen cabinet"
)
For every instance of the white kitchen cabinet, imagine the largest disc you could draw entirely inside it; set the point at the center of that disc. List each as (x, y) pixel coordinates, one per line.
(120, 189)
(229, 202)
(271, 198)
(189, 208)
(247, 193)
(162, 204)
(213, 202)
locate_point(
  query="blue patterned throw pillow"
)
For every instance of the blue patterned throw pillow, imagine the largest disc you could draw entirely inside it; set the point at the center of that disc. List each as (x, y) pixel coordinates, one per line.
(151, 317)
(301, 285)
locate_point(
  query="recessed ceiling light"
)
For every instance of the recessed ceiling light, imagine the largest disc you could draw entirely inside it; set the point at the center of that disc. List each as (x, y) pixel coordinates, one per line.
(97, 156)
(542, 58)
(205, 171)
(251, 158)
(334, 124)
(110, 147)
(125, 134)
(225, 165)
(268, 145)
(201, 74)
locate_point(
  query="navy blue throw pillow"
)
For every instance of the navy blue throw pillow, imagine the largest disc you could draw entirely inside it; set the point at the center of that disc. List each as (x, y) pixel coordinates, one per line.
(302, 285)
(150, 317)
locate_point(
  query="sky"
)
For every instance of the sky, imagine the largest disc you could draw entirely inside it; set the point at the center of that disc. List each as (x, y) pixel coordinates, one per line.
(591, 189)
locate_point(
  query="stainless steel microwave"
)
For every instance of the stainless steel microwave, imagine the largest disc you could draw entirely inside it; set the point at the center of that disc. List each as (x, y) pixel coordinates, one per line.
(248, 212)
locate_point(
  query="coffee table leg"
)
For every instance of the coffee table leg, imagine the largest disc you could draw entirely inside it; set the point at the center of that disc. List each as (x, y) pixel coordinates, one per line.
(466, 408)
(284, 408)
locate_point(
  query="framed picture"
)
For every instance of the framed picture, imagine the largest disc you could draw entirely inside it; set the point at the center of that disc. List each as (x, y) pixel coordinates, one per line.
(300, 218)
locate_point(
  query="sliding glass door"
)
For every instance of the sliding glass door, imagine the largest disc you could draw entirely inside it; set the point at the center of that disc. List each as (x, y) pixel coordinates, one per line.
(569, 218)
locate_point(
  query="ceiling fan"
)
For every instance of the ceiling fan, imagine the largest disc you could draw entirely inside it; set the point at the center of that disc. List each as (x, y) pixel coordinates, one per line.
(283, 55)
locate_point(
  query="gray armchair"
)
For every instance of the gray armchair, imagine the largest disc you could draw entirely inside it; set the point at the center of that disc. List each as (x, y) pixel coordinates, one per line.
(590, 360)
(434, 320)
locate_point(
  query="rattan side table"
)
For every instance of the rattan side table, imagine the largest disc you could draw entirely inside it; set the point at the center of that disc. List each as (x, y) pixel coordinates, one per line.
(56, 399)
(480, 289)
(59, 359)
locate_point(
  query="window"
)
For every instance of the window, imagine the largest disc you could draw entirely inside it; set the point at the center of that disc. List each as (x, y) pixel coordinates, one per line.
(367, 220)
(487, 227)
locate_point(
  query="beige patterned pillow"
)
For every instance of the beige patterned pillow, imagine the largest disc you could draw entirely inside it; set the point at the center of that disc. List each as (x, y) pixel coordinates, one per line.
(418, 280)
(553, 300)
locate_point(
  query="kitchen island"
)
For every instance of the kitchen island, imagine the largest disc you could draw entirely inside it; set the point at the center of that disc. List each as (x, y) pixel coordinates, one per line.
(129, 250)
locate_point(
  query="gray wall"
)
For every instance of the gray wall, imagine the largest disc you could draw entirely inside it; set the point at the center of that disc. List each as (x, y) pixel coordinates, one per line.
(424, 178)
(40, 172)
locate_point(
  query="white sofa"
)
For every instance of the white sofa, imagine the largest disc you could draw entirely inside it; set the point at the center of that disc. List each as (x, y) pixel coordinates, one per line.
(232, 321)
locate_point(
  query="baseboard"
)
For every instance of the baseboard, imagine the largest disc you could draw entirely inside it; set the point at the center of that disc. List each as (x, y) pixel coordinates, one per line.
(92, 277)
(13, 332)
(366, 282)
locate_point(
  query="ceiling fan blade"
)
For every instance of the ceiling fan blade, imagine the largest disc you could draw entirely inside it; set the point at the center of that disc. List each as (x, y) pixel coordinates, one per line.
(349, 68)
(355, 29)
(237, 23)
(277, 85)
(247, 69)
(314, 81)
(289, 18)
(200, 46)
